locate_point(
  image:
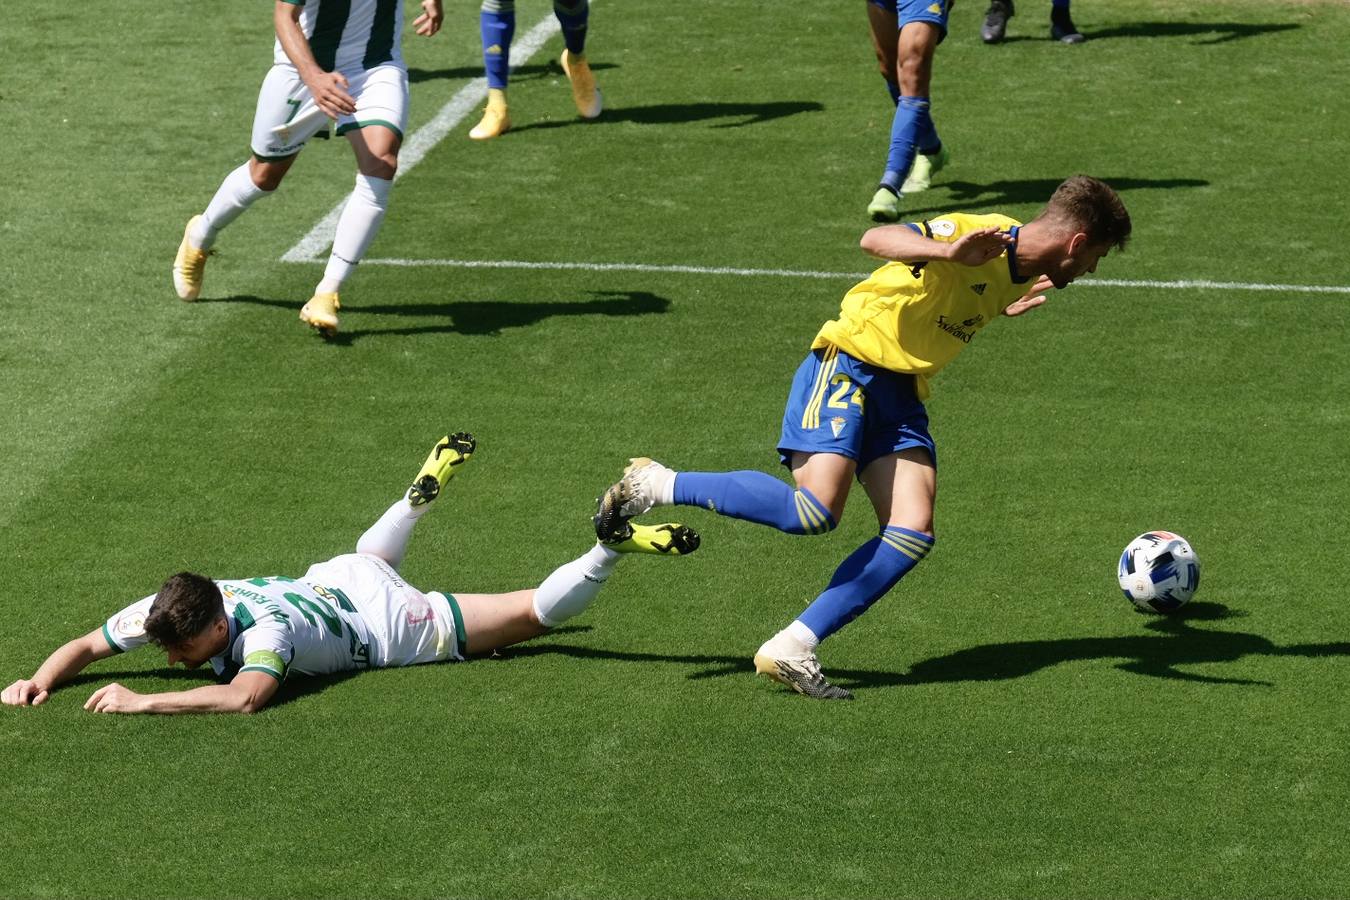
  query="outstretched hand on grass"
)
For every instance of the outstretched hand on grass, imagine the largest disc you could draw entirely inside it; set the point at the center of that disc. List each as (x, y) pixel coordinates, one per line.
(24, 693)
(113, 698)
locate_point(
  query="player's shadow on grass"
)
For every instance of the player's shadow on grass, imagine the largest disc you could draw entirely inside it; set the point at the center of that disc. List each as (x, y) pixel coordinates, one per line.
(202, 676)
(1178, 644)
(1217, 32)
(683, 113)
(971, 195)
(478, 317)
(530, 72)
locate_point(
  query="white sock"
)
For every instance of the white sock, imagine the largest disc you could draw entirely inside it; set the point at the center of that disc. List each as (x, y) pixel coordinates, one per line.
(388, 538)
(803, 634)
(666, 495)
(356, 228)
(571, 587)
(235, 194)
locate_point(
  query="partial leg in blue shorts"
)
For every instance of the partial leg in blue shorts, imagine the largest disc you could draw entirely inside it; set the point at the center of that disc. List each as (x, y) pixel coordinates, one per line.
(914, 29)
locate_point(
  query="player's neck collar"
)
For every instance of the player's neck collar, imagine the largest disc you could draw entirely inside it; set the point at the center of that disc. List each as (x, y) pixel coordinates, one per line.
(221, 663)
(1012, 257)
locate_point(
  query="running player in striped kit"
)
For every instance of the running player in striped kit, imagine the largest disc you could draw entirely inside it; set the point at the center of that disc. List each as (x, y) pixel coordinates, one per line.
(334, 59)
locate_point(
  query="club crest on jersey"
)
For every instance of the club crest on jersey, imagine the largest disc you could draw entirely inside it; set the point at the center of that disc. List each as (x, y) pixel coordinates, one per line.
(837, 425)
(979, 288)
(943, 227)
(131, 625)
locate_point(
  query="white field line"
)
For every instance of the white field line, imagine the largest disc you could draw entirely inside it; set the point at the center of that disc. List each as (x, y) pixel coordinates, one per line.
(1185, 284)
(416, 147)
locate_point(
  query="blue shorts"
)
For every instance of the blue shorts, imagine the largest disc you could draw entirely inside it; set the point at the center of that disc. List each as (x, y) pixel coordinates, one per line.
(907, 11)
(841, 405)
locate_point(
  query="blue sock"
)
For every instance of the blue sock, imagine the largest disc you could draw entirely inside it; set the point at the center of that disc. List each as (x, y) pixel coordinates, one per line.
(572, 15)
(893, 88)
(927, 140)
(755, 497)
(911, 125)
(1060, 4)
(497, 24)
(864, 578)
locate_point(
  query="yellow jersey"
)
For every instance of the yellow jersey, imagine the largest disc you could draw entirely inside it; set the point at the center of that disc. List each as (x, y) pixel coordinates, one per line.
(915, 317)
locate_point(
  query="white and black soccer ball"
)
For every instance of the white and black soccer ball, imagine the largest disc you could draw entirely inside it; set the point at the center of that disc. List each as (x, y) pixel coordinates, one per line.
(1159, 572)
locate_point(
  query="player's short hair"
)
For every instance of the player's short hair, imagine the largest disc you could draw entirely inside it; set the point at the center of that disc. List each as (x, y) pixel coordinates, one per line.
(1090, 205)
(184, 607)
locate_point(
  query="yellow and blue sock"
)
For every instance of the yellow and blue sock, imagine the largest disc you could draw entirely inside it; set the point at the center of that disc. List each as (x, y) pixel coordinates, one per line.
(864, 578)
(912, 131)
(754, 497)
(497, 25)
(572, 16)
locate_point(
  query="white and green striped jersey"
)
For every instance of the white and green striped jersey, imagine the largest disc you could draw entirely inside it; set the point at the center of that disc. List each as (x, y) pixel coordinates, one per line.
(347, 35)
(277, 625)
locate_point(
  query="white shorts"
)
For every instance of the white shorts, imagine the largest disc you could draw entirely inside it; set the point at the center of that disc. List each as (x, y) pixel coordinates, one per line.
(407, 627)
(381, 96)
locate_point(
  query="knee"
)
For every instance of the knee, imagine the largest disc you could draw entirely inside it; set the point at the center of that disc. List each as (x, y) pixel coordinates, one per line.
(922, 526)
(266, 176)
(817, 517)
(913, 72)
(381, 165)
(914, 545)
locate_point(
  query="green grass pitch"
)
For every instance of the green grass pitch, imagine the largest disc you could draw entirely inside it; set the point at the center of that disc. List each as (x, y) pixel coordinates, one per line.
(1019, 731)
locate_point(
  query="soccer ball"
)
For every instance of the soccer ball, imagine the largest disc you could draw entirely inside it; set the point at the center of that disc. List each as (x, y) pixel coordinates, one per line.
(1159, 572)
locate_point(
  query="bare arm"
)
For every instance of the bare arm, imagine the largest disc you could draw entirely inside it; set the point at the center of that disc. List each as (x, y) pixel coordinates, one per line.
(64, 664)
(247, 693)
(329, 89)
(903, 244)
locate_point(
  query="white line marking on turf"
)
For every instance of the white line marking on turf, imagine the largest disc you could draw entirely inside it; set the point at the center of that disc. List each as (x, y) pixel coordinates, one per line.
(809, 273)
(421, 142)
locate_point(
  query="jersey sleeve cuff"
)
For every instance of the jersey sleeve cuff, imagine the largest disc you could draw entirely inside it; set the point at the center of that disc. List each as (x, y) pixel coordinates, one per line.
(278, 676)
(107, 636)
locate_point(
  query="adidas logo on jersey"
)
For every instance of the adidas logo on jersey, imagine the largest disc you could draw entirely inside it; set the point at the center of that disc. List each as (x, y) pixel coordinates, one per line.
(979, 288)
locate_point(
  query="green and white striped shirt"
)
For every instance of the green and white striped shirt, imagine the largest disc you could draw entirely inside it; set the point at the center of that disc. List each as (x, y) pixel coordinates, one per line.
(350, 35)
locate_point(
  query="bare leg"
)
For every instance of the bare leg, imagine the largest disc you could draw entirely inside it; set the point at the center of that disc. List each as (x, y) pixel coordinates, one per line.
(376, 149)
(827, 476)
(903, 489)
(499, 620)
(492, 621)
(885, 26)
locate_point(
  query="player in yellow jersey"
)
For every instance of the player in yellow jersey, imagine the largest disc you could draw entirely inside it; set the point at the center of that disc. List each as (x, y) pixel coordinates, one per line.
(856, 405)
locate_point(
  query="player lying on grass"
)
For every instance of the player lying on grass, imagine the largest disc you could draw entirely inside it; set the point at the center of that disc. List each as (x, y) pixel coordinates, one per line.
(338, 59)
(856, 405)
(351, 612)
